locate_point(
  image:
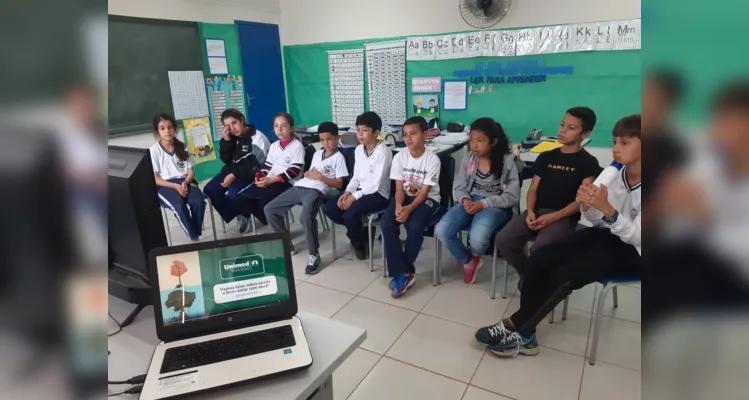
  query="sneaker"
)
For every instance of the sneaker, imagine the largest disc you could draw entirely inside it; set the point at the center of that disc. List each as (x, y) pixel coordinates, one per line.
(470, 269)
(392, 284)
(313, 264)
(244, 223)
(401, 284)
(492, 334)
(515, 344)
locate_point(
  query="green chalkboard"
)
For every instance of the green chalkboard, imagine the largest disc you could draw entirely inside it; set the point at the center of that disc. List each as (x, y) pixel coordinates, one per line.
(141, 53)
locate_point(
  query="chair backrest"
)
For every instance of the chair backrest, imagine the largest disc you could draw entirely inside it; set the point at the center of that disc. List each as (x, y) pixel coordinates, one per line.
(309, 154)
(348, 155)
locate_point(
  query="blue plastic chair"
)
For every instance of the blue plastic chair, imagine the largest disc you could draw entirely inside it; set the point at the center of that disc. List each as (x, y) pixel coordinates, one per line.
(609, 284)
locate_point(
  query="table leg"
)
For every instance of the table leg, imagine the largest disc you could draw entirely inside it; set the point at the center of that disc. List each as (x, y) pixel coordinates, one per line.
(325, 391)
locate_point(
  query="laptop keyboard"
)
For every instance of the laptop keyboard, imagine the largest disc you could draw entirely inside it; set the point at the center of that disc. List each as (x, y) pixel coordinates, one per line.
(228, 348)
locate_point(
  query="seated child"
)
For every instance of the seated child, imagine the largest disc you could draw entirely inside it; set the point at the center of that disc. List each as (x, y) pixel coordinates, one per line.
(174, 174)
(327, 170)
(487, 187)
(242, 149)
(416, 173)
(557, 174)
(282, 168)
(611, 248)
(369, 188)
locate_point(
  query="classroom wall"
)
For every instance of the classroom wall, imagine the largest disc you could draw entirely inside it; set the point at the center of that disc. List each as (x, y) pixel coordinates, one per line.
(216, 11)
(306, 21)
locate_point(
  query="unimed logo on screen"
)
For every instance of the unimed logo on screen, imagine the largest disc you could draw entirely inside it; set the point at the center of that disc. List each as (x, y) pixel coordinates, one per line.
(242, 266)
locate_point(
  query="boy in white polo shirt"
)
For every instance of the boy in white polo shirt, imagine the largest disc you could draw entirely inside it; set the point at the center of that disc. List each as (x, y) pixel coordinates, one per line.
(369, 188)
(416, 173)
(327, 170)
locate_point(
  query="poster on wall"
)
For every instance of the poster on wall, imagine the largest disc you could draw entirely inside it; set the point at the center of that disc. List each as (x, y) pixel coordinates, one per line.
(455, 95)
(386, 73)
(224, 92)
(188, 95)
(346, 72)
(199, 140)
(426, 106)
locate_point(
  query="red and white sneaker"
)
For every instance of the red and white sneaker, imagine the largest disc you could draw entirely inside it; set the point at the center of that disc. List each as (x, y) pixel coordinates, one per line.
(470, 269)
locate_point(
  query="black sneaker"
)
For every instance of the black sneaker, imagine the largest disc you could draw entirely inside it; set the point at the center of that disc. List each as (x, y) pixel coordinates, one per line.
(313, 264)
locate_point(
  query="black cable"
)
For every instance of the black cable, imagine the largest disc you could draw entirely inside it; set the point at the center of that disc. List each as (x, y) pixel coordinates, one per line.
(132, 381)
(119, 327)
(132, 390)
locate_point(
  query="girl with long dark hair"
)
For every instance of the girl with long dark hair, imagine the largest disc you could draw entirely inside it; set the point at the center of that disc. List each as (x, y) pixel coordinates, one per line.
(174, 175)
(487, 187)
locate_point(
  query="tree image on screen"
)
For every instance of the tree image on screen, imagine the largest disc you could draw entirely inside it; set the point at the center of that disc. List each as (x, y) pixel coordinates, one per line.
(179, 299)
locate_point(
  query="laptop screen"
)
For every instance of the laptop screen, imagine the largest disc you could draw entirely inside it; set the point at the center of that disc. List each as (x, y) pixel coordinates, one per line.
(198, 285)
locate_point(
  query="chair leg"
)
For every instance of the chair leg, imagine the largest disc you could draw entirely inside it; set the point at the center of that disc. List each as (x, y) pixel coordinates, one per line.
(291, 214)
(436, 264)
(370, 243)
(597, 327)
(213, 219)
(168, 230)
(332, 234)
(494, 274)
(551, 317)
(223, 224)
(564, 308)
(616, 297)
(252, 221)
(507, 272)
(384, 265)
(439, 260)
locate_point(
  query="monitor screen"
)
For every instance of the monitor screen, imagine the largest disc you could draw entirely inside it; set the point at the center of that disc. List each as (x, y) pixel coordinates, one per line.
(198, 285)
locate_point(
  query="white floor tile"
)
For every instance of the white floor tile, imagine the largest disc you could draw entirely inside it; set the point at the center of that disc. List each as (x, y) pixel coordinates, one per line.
(320, 300)
(439, 346)
(384, 323)
(415, 298)
(474, 393)
(606, 381)
(466, 305)
(549, 375)
(582, 299)
(570, 335)
(394, 380)
(629, 304)
(346, 276)
(619, 343)
(352, 371)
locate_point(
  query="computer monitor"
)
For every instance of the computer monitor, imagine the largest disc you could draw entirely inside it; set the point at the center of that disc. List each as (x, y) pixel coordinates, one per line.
(135, 223)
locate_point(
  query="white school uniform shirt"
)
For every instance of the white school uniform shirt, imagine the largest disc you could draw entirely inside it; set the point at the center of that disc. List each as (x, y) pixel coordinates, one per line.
(371, 171)
(417, 172)
(262, 142)
(281, 159)
(168, 165)
(626, 200)
(332, 167)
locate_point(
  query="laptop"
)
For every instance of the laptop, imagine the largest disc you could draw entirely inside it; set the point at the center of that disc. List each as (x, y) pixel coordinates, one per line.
(225, 313)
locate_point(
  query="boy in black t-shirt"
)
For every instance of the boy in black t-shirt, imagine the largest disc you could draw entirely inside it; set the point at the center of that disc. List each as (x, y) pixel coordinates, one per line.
(552, 211)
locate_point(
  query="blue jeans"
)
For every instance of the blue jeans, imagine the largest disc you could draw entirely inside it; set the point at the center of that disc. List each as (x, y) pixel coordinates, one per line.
(480, 227)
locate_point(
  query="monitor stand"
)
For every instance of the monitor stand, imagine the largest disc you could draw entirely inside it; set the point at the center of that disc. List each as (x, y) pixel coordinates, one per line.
(132, 290)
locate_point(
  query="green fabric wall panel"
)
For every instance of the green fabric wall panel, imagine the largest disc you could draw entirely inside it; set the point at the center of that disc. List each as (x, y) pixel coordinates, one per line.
(606, 81)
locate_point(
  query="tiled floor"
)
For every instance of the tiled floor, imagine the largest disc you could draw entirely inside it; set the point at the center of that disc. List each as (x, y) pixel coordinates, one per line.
(421, 346)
